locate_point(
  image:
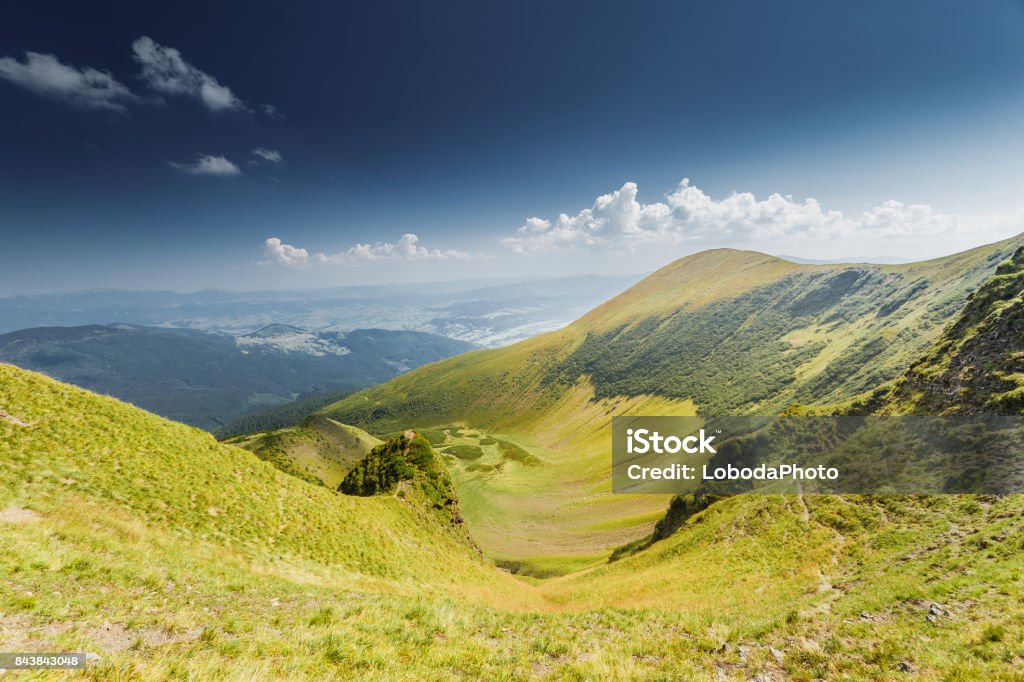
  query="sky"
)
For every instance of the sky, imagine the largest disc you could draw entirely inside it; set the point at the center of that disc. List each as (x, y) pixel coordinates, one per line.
(253, 145)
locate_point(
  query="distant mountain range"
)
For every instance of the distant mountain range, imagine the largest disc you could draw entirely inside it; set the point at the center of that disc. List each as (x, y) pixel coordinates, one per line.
(208, 379)
(484, 312)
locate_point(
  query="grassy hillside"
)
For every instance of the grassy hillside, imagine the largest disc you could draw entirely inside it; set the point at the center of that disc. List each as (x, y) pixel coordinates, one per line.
(974, 367)
(173, 556)
(721, 331)
(977, 365)
(207, 379)
(65, 447)
(318, 450)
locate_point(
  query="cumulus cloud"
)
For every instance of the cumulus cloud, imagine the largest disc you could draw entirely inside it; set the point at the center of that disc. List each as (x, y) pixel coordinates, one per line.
(208, 165)
(165, 71)
(619, 220)
(268, 155)
(406, 248)
(285, 254)
(87, 87)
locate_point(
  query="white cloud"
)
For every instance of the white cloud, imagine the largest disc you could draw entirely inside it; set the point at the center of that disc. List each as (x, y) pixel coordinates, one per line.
(45, 75)
(165, 71)
(285, 254)
(208, 165)
(688, 215)
(406, 248)
(268, 155)
(272, 112)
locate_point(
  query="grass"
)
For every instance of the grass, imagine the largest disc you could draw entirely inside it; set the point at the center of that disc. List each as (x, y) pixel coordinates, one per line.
(82, 447)
(976, 363)
(174, 556)
(465, 451)
(549, 566)
(318, 450)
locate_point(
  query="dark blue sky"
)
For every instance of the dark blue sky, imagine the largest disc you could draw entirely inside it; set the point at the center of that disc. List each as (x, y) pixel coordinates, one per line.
(459, 121)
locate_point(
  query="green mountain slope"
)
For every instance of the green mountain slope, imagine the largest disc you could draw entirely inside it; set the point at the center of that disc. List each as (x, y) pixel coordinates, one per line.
(65, 447)
(206, 379)
(319, 450)
(721, 331)
(977, 365)
(174, 556)
(895, 560)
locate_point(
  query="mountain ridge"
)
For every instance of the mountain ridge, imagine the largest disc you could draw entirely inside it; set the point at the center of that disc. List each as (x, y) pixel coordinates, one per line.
(722, 331)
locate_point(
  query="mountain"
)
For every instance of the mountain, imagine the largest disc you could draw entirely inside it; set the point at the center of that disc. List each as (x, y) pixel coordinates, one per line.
(207, 379)
(974, 367)
(318, 449)
(493, 312)
(977, 365)
(170, 555)
(719, 332)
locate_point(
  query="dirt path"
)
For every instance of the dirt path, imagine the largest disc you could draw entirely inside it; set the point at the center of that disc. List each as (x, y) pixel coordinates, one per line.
(805, 514)
(13, 420)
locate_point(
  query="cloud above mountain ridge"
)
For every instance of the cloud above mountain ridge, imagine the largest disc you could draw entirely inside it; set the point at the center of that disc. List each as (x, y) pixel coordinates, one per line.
(687, 214)
(407, 248)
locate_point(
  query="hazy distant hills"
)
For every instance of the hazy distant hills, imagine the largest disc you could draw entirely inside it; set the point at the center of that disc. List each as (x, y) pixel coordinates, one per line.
(484, 312)
(206, 379)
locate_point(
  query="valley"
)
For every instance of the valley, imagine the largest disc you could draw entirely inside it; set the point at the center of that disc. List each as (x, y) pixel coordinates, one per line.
(454, 342)
(172, 555)
(482, 546)
(483, 312)
(719, 332)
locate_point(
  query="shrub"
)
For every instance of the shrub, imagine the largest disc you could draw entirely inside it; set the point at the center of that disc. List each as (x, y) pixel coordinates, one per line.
(380, 471)
(407, 457)
(465, 451)
(511, 451)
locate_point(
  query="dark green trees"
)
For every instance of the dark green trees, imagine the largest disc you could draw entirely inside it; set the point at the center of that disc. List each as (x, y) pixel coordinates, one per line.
(408, 464)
